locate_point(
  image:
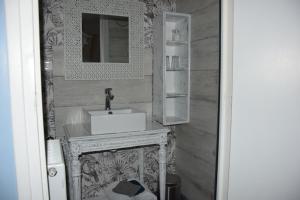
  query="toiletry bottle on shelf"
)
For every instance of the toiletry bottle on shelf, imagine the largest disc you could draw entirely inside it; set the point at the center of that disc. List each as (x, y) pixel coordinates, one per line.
(168, 66)
(175, 35)
(175, 62)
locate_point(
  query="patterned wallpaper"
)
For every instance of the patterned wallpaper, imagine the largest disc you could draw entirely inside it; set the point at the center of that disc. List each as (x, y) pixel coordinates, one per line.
(101, 169)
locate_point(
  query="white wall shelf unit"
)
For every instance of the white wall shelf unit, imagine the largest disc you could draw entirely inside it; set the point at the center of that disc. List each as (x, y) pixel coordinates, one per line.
(171, 81)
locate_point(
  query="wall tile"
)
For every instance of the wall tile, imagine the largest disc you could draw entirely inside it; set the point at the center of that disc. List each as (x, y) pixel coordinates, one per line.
(191, 6)
(197, 175)
(205, 23)
(192, 189)
(80, 93)
(148, 61)
(205, 85)
(204, 115)
(197, 141)
(205, 54)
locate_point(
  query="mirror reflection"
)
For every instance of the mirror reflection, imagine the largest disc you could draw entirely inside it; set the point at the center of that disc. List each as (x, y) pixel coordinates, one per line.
(105, 38)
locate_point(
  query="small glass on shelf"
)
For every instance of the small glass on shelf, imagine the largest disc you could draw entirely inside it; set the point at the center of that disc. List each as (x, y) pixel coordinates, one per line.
(168, 65)
(175, 35)
(175, 64)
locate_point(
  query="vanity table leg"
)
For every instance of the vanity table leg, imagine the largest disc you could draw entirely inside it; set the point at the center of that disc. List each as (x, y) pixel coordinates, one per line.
(76, 176)
(162, 171)
(141, 164)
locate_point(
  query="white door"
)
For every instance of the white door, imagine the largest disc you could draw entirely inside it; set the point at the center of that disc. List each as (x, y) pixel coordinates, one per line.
(265, 128)
(23, 44)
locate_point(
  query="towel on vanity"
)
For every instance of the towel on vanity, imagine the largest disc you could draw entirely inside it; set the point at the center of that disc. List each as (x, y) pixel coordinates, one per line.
(127, 188)
(111, 195)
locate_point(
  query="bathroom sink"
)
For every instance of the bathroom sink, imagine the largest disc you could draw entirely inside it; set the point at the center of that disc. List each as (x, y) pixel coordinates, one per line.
(114, 121)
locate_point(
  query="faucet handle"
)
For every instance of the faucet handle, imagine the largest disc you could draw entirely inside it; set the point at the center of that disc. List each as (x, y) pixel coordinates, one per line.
(108, 93)
(108, 90)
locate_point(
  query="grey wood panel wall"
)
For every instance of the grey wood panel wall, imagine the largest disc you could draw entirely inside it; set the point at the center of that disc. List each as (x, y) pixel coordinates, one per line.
(71, 96)
(196, 142)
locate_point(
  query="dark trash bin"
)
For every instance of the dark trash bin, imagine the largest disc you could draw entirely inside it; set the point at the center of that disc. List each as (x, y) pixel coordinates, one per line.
(173, 185)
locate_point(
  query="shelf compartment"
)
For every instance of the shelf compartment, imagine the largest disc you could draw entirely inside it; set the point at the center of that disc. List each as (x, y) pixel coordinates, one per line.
(175, 95)
(176, 110)
(177, 82)
(176, 43)
(178, 23)
(176, 62)
(177, 70)
(176, 18)
(174, 120)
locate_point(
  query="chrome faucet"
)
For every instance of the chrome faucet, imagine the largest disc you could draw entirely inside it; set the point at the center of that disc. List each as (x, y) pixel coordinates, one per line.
(109, 97)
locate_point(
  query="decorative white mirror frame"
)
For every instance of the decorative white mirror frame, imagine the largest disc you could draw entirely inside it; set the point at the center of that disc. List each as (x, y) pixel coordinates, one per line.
(75, 69)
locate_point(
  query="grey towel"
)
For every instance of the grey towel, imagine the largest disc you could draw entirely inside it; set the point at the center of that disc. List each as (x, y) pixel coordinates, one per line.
(126, 188)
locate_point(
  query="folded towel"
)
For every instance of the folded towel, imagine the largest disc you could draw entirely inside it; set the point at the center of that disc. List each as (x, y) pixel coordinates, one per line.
(142, 188)
(146, 195)
(127, 188)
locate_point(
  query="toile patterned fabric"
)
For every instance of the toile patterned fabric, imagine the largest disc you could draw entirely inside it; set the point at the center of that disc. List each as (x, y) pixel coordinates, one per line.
(153, 8)
(51, 35)
(101, 169)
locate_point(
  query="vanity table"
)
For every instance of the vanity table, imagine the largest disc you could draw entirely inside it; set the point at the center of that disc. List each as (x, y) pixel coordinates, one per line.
(78, 141)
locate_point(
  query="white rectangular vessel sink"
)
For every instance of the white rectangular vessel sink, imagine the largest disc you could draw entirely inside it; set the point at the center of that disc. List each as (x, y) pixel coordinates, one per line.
(114, 121)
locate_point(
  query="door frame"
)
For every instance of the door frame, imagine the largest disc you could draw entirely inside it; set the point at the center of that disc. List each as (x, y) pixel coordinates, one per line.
(23, 45)
(226, 80)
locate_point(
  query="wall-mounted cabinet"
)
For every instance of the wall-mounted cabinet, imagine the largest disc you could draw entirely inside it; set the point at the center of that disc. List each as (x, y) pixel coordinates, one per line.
(171, 81)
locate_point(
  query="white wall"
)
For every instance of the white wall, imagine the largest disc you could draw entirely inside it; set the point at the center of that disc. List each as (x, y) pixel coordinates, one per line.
(265, 137)
(8, 183)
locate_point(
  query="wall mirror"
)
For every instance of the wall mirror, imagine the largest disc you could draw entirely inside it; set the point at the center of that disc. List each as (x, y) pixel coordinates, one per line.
(104, 39)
